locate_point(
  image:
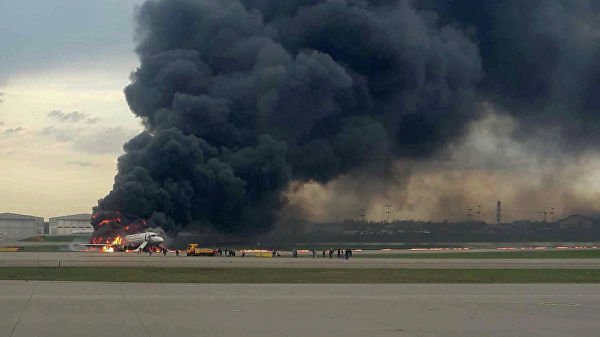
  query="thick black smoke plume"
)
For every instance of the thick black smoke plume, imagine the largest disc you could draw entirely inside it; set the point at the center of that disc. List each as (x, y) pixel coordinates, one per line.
(242, 97)
(541, 60)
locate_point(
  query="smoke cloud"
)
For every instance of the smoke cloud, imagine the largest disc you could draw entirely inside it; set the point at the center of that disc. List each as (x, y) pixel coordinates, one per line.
(251, 105)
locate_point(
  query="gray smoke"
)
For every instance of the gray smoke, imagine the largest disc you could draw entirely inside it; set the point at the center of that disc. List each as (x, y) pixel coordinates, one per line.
(243, 99)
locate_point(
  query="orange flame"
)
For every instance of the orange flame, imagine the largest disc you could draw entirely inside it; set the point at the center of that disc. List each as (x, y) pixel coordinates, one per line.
(110, 247)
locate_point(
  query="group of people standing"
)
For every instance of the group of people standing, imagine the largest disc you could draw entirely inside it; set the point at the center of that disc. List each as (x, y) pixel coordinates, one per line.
(227, 252)
(341, 253)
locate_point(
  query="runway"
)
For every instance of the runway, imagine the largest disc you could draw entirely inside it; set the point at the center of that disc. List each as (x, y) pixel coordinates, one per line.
(48, 309)
(79, 259)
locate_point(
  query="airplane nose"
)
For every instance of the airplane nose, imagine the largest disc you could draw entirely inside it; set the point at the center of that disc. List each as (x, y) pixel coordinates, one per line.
(159, 239)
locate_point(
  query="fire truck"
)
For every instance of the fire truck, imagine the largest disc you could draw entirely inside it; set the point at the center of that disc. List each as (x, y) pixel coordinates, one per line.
(194, 250)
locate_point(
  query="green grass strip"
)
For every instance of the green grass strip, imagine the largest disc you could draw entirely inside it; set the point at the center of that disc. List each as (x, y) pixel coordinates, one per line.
(299, 275)
(535, 254)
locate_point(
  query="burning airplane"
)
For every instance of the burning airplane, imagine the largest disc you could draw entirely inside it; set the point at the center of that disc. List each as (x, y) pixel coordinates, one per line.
(137, 242)
(115, 232)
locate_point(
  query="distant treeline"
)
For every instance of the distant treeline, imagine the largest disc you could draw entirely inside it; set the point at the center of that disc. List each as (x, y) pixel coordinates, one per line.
(406, 233)
(574, 228)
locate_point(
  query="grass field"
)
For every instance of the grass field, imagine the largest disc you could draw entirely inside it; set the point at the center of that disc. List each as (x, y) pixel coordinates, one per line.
(46, 248)
(529, 254)
(55, 238)
(289, 275)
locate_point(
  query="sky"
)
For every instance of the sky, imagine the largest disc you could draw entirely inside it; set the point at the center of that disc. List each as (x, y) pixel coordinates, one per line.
(63, 115)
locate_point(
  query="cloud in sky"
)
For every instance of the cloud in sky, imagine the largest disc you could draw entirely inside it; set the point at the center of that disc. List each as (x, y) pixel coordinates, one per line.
(72, 117)
(13, 131)
(98, 140)
(80, 163)
(93, 32)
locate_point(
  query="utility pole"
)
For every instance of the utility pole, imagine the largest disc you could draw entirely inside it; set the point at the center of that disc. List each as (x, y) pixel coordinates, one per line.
(469, 213)
(363, 214)
(551, 214)
(388, 211)
(479, 212)
(499, 212)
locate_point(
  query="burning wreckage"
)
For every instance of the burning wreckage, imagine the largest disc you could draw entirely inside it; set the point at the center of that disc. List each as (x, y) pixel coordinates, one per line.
(112, 233)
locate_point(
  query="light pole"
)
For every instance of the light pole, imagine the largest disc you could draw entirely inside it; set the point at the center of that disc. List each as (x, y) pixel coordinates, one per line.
(388, 211)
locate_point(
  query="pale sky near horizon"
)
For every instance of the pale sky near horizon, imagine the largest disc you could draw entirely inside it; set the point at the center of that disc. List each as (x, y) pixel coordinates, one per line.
(63, 115)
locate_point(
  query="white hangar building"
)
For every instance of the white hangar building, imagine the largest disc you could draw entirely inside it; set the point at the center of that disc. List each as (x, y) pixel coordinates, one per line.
(70, 224)
(20, 226)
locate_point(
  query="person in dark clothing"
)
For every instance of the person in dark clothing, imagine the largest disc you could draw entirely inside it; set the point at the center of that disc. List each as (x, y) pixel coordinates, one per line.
(323, 252)
(339, 253)
(177, 252)
(331, 253)
(314, 253)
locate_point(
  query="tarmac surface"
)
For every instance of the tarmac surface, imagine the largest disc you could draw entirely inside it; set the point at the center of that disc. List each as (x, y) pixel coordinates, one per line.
(74, 309)
(92, 259)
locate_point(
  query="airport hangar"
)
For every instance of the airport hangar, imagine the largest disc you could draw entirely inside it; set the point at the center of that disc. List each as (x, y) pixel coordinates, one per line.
(70, 224)
(20, 226)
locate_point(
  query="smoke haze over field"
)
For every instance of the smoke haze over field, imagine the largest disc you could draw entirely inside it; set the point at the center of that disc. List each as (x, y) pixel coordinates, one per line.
(254, 107)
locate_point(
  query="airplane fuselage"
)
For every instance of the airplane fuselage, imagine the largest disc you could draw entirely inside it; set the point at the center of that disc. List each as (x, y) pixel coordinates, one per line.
(134, 241)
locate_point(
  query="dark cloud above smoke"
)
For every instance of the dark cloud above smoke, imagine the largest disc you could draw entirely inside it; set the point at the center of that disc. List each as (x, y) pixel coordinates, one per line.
(240, 98)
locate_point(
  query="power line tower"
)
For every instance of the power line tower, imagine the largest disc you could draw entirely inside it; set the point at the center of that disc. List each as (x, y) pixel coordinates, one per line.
(551, 214)
(388, 211)
(469, 214)
(363, 214)
(544, 213)
(498, 212)
(478, 212)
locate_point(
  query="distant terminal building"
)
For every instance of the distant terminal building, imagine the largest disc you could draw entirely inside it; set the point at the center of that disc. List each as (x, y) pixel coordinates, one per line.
(70, 224)
(20, 226)
(578, 221)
